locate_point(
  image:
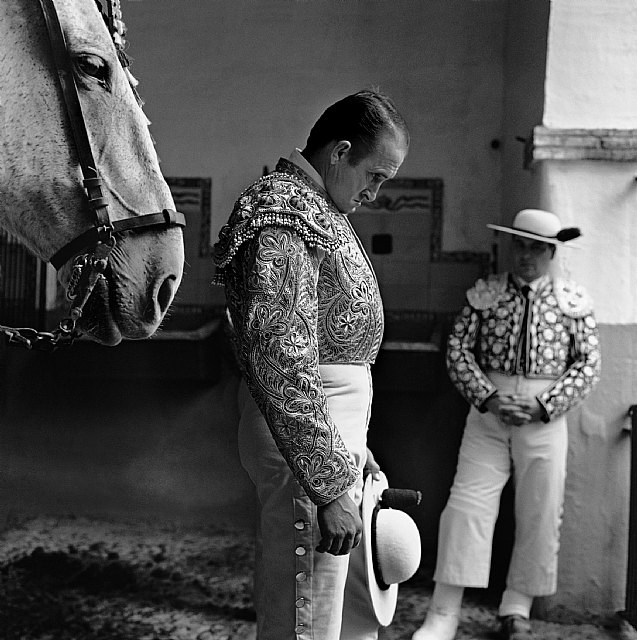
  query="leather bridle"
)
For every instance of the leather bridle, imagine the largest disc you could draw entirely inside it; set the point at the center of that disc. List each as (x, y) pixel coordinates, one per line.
(89, 267)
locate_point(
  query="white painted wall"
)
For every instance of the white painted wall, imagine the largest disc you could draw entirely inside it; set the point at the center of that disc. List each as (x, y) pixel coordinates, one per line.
(591, 79)
(591, 82)
(600, 198)
(594, 537)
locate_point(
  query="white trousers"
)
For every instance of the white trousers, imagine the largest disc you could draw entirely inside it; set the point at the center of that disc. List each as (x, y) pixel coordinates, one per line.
(301, 594)
(490, 452)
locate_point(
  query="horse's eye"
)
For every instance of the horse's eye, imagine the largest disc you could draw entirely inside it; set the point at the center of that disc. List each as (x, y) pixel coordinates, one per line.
(93, 66)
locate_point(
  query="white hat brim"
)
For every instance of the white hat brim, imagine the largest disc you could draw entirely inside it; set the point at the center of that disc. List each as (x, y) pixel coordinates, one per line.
(383, 600)
(533, 236)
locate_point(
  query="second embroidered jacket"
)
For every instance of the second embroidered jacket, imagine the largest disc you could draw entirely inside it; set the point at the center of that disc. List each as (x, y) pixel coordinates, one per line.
(561, 342)
(300, 292)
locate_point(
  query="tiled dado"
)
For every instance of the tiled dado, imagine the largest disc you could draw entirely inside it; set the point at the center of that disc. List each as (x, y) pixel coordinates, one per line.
(401, 231)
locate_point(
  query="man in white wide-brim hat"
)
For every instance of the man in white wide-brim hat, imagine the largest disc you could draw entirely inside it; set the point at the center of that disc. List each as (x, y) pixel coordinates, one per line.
(523, 352)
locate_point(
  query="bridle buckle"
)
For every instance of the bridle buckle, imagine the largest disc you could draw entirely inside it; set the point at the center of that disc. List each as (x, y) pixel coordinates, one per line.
(104, 233)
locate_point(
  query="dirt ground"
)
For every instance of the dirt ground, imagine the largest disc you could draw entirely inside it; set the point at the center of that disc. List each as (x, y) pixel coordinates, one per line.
(86, 579)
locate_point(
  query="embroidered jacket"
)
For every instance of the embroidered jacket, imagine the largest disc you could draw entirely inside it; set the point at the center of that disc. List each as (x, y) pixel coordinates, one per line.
(562, 342)
(300, 292)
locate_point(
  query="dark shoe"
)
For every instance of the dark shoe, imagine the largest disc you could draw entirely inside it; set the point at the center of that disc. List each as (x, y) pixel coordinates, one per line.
(515, 628)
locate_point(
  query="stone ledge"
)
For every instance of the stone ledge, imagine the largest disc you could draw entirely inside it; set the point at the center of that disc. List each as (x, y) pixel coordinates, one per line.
(611, 145)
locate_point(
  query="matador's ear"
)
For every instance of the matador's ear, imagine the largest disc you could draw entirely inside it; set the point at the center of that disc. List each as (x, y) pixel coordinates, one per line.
(339, 151)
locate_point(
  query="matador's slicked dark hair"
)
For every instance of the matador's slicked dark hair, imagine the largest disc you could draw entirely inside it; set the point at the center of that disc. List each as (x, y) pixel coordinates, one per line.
(361, 118)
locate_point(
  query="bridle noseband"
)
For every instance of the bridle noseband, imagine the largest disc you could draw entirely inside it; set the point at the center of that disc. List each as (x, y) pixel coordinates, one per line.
(89, 267)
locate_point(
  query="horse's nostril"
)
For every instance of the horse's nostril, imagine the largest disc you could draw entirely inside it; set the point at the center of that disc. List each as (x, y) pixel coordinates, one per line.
(165, 293)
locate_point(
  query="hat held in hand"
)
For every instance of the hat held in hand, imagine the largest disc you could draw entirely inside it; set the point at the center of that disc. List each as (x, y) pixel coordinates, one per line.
(539, 225)
(392, 543)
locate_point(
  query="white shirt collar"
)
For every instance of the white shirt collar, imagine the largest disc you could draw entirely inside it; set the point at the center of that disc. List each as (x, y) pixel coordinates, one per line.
(534, 284)
(299, 160)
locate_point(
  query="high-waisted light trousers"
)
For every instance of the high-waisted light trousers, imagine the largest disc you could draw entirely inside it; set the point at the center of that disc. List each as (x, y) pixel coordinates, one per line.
(490, 452)
(301, 594)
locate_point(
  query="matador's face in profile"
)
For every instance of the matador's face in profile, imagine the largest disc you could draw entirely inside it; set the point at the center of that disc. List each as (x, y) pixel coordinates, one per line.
(352, 184)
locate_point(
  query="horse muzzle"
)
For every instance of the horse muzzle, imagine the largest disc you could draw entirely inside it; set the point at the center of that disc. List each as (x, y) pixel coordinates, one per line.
(131, 296)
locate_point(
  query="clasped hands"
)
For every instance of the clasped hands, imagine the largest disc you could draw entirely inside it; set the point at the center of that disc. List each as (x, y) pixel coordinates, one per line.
(340, 520)
(515, 409)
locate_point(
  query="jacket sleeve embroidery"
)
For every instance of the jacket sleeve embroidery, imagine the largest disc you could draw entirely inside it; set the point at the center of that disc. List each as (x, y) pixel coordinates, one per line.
(271, 291)
(463, 369)
(582, 375)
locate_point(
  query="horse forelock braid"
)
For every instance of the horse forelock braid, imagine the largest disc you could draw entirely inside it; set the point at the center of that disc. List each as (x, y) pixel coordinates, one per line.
(111, 11)
(112, 14)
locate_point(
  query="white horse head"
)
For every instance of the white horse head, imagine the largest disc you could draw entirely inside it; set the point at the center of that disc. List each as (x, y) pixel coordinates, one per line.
(42, 200)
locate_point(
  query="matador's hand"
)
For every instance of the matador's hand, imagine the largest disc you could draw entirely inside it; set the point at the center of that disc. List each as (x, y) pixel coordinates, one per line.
(528, 404)
(340, 525)
(371, 466)
(508, 411)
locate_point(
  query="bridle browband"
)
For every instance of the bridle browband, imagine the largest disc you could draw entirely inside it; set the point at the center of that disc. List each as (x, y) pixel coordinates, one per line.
(89, 267)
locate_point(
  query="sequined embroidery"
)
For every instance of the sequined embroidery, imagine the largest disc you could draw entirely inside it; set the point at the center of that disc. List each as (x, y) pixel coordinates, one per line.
(300, 292)
(563, 342)
(278, 199)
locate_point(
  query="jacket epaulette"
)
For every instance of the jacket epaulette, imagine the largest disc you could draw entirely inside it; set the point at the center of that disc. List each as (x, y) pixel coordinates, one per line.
(572, 298)
(283, 200)
(485, 294)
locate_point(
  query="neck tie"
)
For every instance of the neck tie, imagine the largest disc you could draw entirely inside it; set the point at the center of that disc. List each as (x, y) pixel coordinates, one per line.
(526, 292)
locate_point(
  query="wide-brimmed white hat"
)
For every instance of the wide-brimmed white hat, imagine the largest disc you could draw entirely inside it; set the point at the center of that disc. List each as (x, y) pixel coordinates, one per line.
(539, 225)
(392, 543)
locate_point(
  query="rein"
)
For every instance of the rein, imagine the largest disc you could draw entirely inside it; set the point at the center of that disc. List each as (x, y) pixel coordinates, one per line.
(89, 267)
